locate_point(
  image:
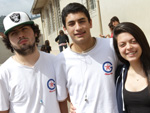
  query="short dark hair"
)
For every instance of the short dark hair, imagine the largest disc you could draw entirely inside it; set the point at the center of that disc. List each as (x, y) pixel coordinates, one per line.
(35, 29)
(74, 8)
(111, 26)
(114, 18)
(138, 34)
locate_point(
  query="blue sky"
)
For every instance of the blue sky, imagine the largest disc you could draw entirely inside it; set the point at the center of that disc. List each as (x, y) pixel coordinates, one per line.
(8, 6)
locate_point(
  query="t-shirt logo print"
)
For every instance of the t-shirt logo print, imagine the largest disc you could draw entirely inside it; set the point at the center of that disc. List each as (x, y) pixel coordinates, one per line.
(15, 17)
(107, 67)
(51, 85)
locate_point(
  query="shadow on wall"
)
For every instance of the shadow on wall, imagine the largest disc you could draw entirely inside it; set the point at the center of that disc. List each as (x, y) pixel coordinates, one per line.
(4, 52)
(41, 42)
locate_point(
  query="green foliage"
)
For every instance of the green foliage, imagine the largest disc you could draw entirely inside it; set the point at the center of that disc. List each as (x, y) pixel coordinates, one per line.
(1, 24)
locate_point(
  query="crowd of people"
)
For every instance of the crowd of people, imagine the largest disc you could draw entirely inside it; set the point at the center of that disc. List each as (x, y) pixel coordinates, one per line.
(96, 75)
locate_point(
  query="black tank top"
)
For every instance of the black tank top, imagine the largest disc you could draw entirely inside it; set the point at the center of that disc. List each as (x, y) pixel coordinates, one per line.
(137, 102)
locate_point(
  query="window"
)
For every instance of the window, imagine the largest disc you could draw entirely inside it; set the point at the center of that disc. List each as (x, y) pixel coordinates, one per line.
(52, 20)
(53, 16)
(58, 14)
(48, 21)
(89, 4)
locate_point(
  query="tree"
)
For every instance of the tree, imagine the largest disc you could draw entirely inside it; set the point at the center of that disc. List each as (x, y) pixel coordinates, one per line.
(1, 24)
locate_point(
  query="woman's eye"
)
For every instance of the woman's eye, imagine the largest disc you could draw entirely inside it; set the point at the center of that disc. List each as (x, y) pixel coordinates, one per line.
(121, 45)
(134, 41)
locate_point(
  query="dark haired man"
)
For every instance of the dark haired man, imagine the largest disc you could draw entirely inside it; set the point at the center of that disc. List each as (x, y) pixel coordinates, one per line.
(85, 71)
(27, 81)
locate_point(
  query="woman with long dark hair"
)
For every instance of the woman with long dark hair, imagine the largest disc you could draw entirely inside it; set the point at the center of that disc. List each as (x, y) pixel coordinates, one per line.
(47, 46)
(133, 81)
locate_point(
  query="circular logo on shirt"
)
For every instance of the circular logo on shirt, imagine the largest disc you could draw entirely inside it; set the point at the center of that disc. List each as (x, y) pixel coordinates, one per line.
(51, 85)
(107, 67)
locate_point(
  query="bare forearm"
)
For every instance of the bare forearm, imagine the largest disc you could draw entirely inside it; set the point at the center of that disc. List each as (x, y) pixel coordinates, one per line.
(4, 111)
(63, 106)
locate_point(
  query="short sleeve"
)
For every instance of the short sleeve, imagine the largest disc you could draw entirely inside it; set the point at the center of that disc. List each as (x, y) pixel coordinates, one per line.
(61, 81)
(4, 94)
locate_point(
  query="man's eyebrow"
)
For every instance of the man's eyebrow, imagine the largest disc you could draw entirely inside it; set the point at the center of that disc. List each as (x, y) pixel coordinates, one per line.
(70, 21)
(81, 19)
(18, 28)
(77, 20)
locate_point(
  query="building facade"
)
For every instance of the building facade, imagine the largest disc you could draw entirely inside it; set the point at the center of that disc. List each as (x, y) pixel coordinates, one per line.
(136, 11)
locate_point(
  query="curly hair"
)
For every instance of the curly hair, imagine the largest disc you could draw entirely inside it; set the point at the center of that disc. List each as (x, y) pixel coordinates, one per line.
(35, 29)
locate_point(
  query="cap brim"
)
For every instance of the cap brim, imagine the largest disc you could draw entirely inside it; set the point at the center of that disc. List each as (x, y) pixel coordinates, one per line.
(28, 22)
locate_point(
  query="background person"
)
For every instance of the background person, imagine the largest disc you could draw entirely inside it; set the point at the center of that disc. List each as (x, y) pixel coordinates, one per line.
(47, 46)
(114, 21)
(133, 82)
(62, 39)
(27, 81)
(111, 27)
(43, 48)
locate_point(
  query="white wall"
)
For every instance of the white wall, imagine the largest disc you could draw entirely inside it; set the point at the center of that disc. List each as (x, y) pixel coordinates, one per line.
(136, 11)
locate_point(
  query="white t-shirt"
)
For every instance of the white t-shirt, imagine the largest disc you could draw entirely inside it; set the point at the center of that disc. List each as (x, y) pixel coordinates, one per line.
(26, 89)
(88, 78)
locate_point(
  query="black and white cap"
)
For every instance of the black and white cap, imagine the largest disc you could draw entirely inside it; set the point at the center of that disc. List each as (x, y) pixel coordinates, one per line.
(15, 19)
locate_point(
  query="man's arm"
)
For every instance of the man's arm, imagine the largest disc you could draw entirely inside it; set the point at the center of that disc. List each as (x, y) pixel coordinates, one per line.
(63, 106)
(4, 95)
(4, 111)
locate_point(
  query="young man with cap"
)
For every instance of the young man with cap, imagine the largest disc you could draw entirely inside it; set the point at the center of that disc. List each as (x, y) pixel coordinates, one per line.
(27, 81)
(86, 70)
